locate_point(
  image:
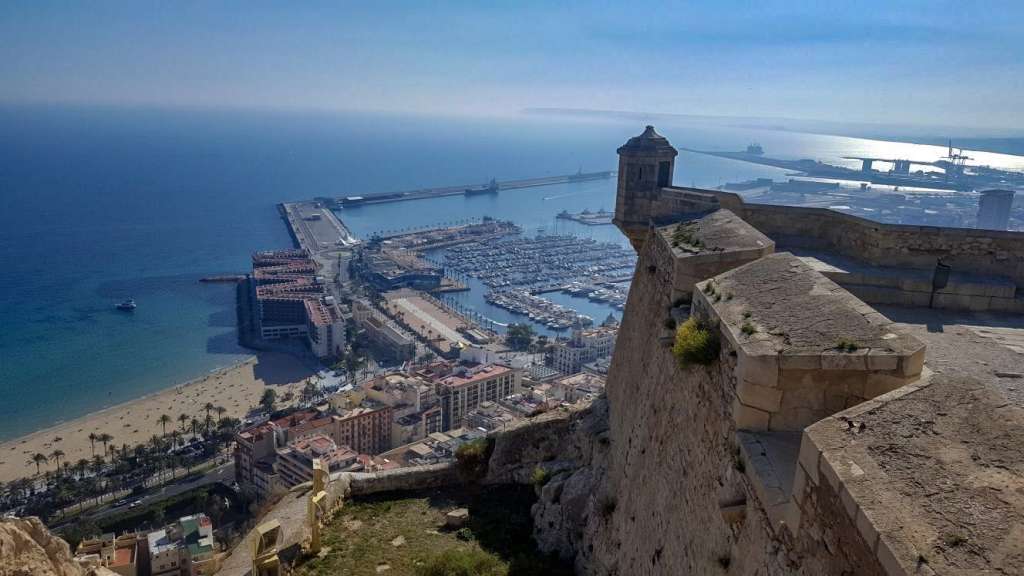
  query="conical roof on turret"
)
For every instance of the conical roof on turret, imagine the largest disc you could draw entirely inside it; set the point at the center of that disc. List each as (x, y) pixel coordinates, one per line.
(648, 142)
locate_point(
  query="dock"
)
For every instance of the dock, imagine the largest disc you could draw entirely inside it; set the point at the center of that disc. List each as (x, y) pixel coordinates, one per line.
(314, 227)
(492, 187)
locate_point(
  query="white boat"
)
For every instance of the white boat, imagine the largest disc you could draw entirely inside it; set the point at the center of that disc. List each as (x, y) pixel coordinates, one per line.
(128, 305)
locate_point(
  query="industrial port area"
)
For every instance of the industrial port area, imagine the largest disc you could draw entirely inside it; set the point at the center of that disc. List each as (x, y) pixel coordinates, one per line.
(945, 192)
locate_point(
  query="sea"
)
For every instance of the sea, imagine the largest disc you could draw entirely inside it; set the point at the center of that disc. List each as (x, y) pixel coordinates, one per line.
(101, 204)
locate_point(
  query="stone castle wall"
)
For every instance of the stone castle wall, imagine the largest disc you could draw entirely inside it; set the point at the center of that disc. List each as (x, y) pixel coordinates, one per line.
(985, 252)
(676, 497)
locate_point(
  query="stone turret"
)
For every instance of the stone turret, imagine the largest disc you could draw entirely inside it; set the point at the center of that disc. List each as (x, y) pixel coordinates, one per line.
(645, 167)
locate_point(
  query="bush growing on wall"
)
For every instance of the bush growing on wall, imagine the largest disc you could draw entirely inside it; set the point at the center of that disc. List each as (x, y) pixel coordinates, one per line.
(696, 343)
(471, 459)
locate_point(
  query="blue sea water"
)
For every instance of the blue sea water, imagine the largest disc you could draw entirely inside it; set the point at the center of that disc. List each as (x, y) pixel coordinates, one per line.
(97, 205)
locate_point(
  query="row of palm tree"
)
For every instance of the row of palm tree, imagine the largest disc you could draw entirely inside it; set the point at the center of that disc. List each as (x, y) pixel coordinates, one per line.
(117, 468)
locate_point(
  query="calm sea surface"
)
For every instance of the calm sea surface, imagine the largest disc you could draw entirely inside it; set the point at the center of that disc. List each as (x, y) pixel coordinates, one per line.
(98, 205)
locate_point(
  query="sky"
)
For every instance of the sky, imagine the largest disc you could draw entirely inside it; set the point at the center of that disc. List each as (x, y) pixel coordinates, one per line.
(930, 62)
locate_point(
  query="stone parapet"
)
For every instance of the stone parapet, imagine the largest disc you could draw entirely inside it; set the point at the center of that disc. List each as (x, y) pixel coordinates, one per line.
(967, 250)
(703, 246)
(806, 348)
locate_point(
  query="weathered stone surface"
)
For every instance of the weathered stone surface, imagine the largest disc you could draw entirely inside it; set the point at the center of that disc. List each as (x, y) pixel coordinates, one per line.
(27, 548)
(456, 518)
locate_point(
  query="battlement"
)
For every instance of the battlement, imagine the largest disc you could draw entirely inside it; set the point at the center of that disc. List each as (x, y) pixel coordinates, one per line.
(806, 348)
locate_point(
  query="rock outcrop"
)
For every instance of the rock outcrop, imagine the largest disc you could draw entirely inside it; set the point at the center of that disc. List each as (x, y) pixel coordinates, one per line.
(28, 548)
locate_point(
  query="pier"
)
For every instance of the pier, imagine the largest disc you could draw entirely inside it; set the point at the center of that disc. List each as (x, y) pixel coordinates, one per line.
(315, 228)
(493, 187)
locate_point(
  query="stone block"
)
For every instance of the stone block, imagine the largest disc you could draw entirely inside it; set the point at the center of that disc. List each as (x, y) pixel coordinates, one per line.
(887, 558)
(760, 369)
(800, 361)
(829, 473)
(879, 360)
(836, 360)
(456, 518)
(809, 456)
(867, 529)
(761, 397)
(878, 384)
(913, 364)
(748, 418)
(849, 504)
(799, 484)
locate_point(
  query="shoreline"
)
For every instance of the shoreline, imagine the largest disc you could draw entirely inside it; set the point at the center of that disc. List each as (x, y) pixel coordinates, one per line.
(236, 387)
(112, 407)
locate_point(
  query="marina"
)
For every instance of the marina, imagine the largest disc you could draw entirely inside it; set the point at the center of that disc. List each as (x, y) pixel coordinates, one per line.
(517, 271)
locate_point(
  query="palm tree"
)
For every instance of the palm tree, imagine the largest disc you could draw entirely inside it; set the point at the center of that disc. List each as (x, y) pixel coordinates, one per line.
(56, 455)
(97, 464)
(220, 410)
(105, 439)
(164, 419)
(81, 466)
(209, 406)
(38, 459)
(183, 419)
(175, 436)
(92, 440)
(195, 427)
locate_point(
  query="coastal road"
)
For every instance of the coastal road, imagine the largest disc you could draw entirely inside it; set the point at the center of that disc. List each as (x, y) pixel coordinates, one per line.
(224, 474)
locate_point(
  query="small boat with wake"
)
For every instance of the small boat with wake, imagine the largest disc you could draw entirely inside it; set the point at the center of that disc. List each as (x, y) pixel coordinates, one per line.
(127, 306)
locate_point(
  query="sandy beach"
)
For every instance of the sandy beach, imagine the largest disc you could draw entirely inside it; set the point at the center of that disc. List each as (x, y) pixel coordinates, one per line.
(237, 389)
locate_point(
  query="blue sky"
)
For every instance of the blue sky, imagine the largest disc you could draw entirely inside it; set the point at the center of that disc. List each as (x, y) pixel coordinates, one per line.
(935, 62)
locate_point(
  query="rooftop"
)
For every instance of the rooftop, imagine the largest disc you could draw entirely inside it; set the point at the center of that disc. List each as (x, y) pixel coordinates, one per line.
(475, 375)
(648, 142)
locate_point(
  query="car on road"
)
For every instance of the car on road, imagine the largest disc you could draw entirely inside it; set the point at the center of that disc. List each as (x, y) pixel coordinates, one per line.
(134, 504)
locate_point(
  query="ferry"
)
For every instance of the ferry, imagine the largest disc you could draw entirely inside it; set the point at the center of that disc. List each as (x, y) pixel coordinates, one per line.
(128, 305)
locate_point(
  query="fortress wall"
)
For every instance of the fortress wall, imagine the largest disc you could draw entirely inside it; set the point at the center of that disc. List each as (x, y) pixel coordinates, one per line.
(987, 252)
(676, 497)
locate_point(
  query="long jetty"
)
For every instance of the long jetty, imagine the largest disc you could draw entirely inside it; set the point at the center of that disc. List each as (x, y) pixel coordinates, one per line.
(469, 189)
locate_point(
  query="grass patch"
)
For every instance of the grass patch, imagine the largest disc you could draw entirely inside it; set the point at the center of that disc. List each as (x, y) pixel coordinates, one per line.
(462, 563)
(696, 343)
(497, 540)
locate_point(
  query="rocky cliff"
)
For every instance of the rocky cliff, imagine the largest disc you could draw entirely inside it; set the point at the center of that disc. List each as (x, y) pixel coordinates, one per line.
(27, 548)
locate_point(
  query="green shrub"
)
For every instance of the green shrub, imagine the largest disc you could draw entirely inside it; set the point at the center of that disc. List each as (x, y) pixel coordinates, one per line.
(696, 343)
(465, 534)
(845, 345)
(457, 562)
(539, 477)
(748, 328)
(471, 459)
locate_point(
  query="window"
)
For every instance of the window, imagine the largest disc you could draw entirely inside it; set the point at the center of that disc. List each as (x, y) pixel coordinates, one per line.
(663, 174)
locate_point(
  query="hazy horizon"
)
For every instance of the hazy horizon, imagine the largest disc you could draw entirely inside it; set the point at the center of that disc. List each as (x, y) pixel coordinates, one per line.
(916, 64)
